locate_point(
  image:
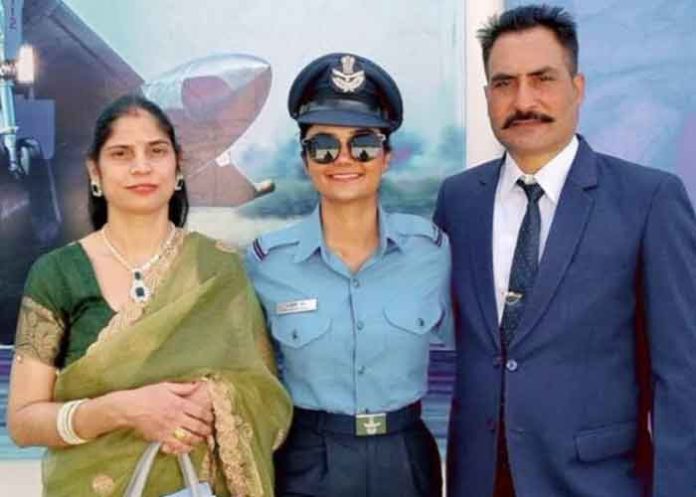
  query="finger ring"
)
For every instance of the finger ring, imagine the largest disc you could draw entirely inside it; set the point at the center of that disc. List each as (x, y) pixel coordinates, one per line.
(180, 434)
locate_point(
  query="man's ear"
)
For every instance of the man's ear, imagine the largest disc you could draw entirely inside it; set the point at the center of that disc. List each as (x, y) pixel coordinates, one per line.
(579, 84)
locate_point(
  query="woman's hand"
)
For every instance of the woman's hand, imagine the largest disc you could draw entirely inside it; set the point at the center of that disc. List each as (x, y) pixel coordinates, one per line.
(157, 412)
(200, 396)
(179, 415)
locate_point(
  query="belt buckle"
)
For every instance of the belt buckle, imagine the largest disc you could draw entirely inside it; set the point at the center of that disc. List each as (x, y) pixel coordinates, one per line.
(367, 425)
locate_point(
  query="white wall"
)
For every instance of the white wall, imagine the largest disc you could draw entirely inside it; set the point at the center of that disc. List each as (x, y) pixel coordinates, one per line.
(481, 145)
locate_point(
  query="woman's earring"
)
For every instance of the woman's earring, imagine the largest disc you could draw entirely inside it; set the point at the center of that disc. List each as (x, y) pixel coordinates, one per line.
(179, 182)
(96, 189)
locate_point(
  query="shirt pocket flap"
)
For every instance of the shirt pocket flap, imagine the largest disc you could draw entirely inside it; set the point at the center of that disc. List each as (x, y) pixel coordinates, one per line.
(299, 329)
(419, 319)
(609, 441)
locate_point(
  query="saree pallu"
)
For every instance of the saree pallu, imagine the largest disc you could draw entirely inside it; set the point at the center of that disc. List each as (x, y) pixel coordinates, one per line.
(203, 322)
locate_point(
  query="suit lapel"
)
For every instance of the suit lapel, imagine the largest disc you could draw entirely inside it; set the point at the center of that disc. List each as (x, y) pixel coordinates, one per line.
(572, 213)
(481, 236)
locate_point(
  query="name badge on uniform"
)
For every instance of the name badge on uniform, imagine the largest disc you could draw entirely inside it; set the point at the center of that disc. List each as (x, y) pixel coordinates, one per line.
(295, 306)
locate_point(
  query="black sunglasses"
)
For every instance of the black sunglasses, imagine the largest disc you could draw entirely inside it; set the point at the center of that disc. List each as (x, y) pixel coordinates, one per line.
(324, 148)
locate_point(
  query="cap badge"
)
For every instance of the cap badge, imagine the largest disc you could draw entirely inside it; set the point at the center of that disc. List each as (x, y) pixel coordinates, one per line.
(347, 79)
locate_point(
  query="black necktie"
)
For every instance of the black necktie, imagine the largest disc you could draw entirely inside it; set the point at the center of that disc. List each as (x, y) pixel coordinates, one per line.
(524, 263)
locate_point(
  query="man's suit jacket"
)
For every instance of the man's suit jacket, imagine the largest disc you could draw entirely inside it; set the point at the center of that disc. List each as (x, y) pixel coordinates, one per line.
(621, 252)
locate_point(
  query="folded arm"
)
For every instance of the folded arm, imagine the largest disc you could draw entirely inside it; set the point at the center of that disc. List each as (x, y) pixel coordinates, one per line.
(154, 411)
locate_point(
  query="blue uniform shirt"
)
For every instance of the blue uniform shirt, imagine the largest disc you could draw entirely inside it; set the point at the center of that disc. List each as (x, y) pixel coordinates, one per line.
(354, 343)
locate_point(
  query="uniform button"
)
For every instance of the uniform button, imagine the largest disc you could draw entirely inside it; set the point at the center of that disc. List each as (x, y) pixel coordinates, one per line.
(356, 283)
(295, 336)
(360, 325)
(420, 322)
(361, 370)
(511, 365)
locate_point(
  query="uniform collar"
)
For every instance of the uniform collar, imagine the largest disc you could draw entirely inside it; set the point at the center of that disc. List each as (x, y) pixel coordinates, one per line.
(311, 235)
(551, 177)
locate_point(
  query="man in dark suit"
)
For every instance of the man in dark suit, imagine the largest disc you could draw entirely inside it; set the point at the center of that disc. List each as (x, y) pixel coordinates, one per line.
(563, 258)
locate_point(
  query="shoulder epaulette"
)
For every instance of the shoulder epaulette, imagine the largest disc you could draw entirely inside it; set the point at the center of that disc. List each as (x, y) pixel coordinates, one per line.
(264, 244)
(410, 225)
(260, 253)
(438, 235)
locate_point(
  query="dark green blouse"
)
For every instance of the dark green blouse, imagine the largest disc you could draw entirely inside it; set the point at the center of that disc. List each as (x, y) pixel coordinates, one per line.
(63, 309)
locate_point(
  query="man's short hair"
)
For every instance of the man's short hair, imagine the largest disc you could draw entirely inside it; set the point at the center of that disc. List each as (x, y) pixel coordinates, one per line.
(526, 17)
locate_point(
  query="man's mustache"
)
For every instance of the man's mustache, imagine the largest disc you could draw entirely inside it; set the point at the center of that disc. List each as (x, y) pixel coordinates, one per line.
(527, 116)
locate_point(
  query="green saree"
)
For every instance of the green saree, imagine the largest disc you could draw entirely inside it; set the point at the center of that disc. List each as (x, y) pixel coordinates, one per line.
(203, 321)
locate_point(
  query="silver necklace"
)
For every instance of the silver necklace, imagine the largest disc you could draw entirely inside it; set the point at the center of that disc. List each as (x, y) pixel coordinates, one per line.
(139, 291)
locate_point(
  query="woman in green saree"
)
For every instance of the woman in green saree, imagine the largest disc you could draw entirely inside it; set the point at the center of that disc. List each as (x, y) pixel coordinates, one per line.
(142, 332)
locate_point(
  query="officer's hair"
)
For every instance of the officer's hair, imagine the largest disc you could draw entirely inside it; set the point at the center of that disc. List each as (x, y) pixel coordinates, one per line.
(305, 127)
(526, 17)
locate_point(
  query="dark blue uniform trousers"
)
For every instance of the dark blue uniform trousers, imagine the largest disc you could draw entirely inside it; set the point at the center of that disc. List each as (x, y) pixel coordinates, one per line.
(318, 460)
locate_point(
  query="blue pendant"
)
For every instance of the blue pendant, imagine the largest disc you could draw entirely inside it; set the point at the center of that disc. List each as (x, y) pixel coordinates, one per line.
(139, 292)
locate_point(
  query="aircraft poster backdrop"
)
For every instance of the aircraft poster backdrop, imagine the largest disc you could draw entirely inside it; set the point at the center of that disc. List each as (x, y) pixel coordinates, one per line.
(221, 69)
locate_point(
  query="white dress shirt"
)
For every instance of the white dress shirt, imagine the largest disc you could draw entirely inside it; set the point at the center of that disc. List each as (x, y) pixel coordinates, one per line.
(511, 205)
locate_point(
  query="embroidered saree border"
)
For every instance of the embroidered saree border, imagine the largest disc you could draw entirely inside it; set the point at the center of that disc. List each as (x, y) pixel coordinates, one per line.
(39, 332)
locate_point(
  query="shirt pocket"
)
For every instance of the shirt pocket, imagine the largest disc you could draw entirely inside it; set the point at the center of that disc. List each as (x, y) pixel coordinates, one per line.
(416, 319)
(299, 329)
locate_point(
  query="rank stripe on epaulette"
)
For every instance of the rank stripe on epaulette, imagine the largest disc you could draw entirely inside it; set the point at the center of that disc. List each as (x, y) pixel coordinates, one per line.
(258, 250)
(438, 236)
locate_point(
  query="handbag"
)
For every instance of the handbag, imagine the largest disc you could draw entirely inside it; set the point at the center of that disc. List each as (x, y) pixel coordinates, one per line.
(194, 488)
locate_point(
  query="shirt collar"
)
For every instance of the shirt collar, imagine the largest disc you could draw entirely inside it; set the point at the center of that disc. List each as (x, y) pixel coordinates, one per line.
(311, 235)
(551, 177)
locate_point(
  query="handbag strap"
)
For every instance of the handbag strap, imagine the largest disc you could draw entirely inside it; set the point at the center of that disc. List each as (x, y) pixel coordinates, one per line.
(142, 471)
